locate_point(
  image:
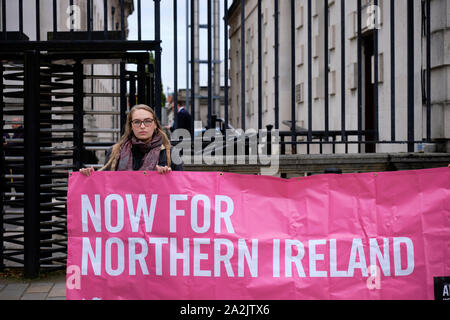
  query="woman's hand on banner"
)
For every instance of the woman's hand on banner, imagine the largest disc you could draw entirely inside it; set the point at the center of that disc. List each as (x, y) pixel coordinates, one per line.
(87, 171)
(163, 170)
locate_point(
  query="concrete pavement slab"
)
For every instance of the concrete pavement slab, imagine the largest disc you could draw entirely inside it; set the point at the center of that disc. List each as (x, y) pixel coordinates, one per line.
(49, 286)
(40, 287)
(58, 290)
(13, 291)
(34, 296)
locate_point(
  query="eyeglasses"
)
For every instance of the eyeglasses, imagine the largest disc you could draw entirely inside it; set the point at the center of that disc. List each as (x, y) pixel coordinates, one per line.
(138, 123)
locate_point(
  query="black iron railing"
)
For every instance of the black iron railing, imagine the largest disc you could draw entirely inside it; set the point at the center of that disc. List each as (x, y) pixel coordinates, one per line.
(45, 89)
(366, 136)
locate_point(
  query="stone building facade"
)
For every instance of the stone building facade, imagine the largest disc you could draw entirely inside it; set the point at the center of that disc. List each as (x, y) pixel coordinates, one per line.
(440, 68)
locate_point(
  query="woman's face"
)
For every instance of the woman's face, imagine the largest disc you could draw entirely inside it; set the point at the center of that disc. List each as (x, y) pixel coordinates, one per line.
(143, 124)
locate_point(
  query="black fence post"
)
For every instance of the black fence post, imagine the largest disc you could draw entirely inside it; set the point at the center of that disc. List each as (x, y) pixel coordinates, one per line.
(139, 21)
(309, 75)
(269, 128)
(55, 16)
(428, 72)
(210, 76)
(21, 16)
(4, 31)
(78, 115)
(360, 89)
(31, 165)
(193, 23)
(148, 92)
(132, 97)
(226, 61)
(175, 61)
(141, 81)
(376, 80)
(88, 19)
(158, 88)
(410, 74)
(293, 81)
(259, 66)
(343, 87)
(392, 8)
(243, 66)
(38, 21)
(326, 63)
(105, 19)
(71, 24)
(2, 165)
(123, 96)
(122, 19)
(276, 65)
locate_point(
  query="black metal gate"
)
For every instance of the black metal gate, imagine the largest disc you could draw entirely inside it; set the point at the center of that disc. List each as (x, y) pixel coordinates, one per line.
(47, 96)
(47, 85)
(49, 143)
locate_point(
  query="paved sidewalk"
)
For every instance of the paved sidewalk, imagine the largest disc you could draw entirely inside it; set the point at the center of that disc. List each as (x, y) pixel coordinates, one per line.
(52, 287)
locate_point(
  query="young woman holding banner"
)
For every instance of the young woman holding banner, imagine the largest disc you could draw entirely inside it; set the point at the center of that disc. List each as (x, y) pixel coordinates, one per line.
(143, 147)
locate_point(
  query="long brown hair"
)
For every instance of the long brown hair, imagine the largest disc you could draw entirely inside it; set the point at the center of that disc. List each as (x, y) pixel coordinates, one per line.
(128, 134)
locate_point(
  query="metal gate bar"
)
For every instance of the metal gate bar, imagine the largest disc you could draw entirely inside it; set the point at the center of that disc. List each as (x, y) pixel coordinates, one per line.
(31, 200)
(2, 174)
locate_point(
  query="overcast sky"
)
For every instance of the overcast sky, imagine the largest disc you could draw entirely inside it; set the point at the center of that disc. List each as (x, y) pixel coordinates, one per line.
(167, 37)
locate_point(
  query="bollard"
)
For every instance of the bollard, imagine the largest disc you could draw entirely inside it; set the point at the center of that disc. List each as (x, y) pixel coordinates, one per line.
(269, 139)
(332, 171)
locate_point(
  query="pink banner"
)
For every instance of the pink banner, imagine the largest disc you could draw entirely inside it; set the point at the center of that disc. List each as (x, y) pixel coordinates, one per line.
(206, 236)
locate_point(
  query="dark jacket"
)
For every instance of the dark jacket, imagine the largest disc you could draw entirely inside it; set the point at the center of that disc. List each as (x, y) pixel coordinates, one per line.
(138, 158)
(184, 120)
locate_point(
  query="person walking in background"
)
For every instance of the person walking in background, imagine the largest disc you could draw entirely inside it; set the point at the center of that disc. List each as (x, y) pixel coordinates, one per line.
(184, 119)
(5, 143)
(15, 149)
(5, 137)
(18, 129)
(167, 118)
